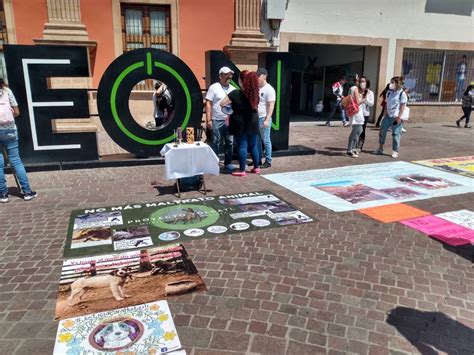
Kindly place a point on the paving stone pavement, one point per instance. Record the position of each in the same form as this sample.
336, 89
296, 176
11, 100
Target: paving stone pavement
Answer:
343, 284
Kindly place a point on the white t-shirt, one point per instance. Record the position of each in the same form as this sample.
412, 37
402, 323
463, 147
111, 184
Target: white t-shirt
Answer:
394, 100
369, 102
267, 94
358, 118
215, 94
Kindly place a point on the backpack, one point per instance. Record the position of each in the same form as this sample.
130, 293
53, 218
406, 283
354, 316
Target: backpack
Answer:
6, 111
406, 112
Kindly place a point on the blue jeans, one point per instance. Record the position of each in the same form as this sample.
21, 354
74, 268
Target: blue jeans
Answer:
220, 132
245, 143
459, 88
267, 143
387, 122
15, 161
338, 105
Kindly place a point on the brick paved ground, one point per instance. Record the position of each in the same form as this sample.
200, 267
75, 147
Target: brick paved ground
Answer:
325, 287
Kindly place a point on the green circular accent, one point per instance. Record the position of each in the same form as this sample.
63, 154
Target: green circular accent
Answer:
212, 217
113, 102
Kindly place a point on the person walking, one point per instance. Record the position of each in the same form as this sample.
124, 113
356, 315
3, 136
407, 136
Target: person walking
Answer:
461, 71
163, 106
244, 120
467, 103
356, 94
266, 105
383, 95
368, 95
337, 91
9, 141
396, 103
216, 118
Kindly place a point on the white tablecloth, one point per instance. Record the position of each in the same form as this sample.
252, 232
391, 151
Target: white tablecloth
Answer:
187, 160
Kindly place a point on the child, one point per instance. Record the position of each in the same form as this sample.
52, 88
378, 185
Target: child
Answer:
318, 109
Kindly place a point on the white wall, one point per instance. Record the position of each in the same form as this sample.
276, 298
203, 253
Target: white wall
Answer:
392, 19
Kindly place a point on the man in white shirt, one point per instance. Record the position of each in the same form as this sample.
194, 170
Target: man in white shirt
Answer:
216, 120
337, 90
266, 105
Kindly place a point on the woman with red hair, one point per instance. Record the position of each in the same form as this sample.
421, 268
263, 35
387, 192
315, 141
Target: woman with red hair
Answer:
243, 121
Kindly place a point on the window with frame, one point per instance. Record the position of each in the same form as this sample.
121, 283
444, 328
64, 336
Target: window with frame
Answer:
146, 26
437, 76
3, 40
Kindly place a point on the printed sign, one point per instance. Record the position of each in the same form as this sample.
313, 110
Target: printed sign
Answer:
459, 165
143, 329
105, 282
104, 230
362, 186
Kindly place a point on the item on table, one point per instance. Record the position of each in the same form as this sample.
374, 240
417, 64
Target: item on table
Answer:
190, 135
180, 135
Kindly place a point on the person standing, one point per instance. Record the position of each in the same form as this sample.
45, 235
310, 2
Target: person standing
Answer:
337, 91
162, 105
357, 119
318, 109
216, 119
396, 103
368, 95
383, 95
244, 120
461, 70
467, 102
9, 141
266, 105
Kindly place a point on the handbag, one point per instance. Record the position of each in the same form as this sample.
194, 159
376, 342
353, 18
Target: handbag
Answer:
351, 106
406, 113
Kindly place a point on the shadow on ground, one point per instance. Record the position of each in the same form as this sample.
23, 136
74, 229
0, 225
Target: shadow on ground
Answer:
432, 332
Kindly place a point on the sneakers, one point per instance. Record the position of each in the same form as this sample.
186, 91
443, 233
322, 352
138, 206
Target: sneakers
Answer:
467, 126
328, 124
395, 155
458, 123
239, 173
266, 165
404, 130
353, 153
378, 151
345, 124
255, 171
230, 167
4, 197
30, 195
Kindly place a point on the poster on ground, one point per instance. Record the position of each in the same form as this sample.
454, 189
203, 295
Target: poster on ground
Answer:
362, 186
103, 230
458, 165
105, 282
144, 329
441, 229
464, 218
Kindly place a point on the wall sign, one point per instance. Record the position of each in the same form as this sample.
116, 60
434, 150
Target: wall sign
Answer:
30, 67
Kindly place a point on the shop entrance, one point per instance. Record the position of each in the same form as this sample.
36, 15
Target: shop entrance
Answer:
320, 65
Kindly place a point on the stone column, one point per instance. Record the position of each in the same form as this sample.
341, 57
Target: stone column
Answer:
64, 27
64, 22
247, 40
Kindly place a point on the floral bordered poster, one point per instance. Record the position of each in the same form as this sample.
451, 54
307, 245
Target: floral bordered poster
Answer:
144, 329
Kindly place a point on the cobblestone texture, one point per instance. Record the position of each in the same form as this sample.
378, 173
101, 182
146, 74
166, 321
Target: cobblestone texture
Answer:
343, 284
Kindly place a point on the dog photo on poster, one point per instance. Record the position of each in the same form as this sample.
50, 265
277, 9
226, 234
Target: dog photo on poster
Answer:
94, 284
119, 228
143, 329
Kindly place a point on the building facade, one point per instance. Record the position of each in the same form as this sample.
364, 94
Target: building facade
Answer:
430, 42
